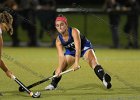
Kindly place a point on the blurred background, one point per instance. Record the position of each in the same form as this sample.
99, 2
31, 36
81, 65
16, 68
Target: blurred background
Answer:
106, 23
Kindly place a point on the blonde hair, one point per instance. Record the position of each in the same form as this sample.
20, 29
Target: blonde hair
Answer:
6, 18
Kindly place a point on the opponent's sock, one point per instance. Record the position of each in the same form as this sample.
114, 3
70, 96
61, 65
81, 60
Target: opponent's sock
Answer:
99, 71
55, 80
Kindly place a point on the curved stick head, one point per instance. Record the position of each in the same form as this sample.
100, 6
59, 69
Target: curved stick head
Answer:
21, 89
36, 95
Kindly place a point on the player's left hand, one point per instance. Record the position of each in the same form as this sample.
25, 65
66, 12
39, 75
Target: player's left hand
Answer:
75, 66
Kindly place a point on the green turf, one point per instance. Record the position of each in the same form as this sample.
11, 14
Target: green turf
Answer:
32, 64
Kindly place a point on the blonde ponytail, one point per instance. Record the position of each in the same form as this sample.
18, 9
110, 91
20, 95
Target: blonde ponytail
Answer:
6, 18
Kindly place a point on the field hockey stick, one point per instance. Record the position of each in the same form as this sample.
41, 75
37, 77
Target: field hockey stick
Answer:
46, 79
34, 95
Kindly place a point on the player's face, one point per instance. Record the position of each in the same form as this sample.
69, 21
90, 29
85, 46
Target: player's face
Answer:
61, 26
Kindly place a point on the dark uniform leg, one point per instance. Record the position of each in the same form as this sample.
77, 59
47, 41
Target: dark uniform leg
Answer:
114, 26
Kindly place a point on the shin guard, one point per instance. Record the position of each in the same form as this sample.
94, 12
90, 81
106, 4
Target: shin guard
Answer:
99, 71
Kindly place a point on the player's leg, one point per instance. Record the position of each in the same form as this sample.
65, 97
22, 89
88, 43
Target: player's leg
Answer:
56, 80
69, 60
90, 57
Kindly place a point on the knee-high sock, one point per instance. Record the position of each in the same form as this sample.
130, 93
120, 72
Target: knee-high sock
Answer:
99, 71
55, 80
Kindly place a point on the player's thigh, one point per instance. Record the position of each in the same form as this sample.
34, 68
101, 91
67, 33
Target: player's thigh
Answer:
70, 60
90, 57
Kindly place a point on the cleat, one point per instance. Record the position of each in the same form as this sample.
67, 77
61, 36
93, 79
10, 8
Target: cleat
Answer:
106, 81
49, 87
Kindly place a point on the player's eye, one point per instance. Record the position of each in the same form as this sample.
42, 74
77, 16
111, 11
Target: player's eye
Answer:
62, 24
57, 25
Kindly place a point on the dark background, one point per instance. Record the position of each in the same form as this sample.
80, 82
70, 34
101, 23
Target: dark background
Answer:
79, 2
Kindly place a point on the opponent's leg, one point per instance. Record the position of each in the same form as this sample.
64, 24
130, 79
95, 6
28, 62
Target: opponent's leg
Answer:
69, 61
90, 57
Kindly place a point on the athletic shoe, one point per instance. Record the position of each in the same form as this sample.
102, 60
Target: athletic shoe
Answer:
106, 81
49, 87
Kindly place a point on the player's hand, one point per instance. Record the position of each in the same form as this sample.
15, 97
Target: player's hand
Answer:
57, 72
75, 66
9, 74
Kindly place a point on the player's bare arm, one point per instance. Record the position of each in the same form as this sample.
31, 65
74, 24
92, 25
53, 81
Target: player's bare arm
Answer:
77, 42
61, 57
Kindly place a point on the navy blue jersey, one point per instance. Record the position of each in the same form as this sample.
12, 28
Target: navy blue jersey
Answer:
70, 46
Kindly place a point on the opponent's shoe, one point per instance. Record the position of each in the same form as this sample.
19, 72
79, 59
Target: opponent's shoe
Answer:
49, 87
106, 81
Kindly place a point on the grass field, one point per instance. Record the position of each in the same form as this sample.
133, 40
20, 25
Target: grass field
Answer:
33, 64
